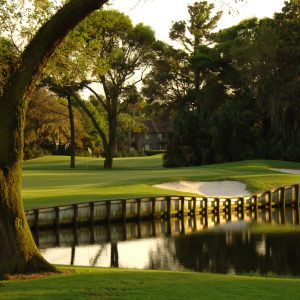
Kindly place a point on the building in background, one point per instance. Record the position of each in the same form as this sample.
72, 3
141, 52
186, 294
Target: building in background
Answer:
155, 136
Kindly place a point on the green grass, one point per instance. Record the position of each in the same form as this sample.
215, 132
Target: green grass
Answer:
48, 181
89, 283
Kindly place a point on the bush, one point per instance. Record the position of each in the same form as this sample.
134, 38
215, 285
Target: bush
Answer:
154, 152
33, 151
130, 153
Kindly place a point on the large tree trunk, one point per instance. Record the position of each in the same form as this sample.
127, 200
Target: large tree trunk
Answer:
108, 160
72, 134
18, 253
112, 144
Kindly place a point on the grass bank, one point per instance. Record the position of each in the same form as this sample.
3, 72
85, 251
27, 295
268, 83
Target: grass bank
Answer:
93, 283
49, 181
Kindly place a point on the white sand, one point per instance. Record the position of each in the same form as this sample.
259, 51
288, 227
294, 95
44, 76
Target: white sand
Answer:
289, 171
208, 189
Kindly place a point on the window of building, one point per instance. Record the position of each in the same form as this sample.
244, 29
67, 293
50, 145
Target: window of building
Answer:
146, 147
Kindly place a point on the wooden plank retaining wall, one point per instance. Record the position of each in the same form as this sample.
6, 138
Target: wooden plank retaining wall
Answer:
125, 231
159, 207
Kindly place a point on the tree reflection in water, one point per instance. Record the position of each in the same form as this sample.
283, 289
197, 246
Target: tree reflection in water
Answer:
243, 251
231, 252
114, 256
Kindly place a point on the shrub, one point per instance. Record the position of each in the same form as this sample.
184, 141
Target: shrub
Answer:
154, 152
33, 151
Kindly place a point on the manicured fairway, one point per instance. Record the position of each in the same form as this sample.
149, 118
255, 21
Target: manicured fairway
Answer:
93, 283
48, 181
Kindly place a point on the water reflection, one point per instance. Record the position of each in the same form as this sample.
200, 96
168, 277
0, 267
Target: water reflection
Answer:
249, 243
227, 252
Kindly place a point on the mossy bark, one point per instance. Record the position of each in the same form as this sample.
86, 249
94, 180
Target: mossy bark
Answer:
18, 252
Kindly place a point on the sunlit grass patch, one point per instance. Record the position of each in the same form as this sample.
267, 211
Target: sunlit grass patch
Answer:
49, 181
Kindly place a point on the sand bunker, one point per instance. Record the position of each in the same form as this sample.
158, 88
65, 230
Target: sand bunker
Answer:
289, 171
208, 189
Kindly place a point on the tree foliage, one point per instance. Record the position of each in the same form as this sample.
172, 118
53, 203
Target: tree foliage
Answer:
107, 56
247, 106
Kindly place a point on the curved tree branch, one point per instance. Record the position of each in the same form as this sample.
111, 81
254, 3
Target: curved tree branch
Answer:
90, 115
97, 96
16, 92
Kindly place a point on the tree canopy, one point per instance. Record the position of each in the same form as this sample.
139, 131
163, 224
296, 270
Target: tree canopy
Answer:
247, 103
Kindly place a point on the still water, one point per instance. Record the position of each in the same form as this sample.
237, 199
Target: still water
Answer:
265, 243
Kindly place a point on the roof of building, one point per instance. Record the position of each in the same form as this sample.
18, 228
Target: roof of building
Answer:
157, 125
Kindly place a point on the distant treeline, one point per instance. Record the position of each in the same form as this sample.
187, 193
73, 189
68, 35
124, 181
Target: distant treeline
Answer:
234, 94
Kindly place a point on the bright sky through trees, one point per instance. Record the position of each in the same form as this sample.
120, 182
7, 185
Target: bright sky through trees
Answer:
159, 14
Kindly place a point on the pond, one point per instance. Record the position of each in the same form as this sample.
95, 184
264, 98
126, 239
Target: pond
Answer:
268, 243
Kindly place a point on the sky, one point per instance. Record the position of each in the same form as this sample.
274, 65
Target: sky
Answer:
159, 14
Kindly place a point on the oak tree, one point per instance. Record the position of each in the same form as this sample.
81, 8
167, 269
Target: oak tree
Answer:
18, 252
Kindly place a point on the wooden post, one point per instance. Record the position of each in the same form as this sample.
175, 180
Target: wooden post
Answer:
282, 202
282, 197
282, 215
92, 211
75, 214
205, 216
108, 211
270, 214
217, 205
182, 219
269, 193
242, 208
139, 201
168, 206
36, 218
194, 206
205, 207
153, 200
217, 209
296, 204
228, 209
194, 223
297, 215
56, 209
182, 202
124, 206
255, 207
296, 187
